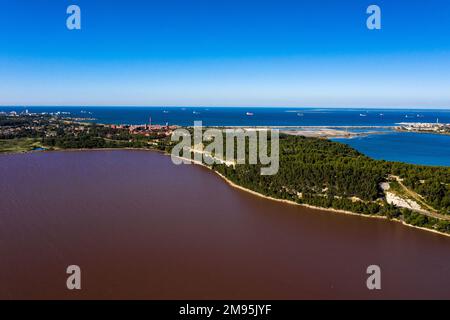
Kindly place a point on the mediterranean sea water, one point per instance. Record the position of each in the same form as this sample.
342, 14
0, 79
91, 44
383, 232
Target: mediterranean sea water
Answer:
237, 116
416, 148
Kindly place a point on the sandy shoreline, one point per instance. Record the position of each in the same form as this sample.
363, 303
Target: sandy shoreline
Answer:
234, 185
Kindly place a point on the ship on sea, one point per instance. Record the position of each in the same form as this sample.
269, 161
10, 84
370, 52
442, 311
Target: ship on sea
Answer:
250, 114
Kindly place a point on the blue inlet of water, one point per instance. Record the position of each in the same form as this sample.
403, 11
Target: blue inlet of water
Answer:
416, 148
426, 149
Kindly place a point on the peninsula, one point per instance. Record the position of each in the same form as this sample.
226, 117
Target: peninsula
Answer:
313, 171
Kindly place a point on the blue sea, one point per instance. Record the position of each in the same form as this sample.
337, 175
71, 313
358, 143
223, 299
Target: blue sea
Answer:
426, 149
226, 116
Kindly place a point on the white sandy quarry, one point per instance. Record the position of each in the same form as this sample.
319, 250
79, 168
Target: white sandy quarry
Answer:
392, 198
400, 202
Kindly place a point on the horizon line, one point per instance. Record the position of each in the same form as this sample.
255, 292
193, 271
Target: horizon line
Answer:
217, 106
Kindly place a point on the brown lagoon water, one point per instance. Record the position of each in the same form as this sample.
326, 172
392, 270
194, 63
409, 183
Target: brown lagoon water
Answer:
140, 227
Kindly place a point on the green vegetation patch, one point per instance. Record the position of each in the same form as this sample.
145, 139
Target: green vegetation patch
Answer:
19, 145
332, 175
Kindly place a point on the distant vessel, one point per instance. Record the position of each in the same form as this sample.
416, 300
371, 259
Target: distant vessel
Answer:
362, 115
300, 114
250, 114
195, 112
165, 111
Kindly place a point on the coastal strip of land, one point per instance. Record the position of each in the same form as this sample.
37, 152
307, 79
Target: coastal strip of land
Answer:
352, 131
326, 132
241, 188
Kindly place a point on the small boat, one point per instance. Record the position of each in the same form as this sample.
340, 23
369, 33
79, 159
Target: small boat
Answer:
195, 112
362, 115
165, 111
250, 114
300, 114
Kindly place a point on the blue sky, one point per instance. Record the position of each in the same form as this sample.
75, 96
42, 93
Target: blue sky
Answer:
225, 53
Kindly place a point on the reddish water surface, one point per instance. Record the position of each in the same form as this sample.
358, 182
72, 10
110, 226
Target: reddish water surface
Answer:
140, 227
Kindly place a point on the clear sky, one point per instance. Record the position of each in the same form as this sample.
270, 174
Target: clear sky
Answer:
225, 53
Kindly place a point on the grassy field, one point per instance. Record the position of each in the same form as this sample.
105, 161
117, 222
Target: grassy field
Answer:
19, 145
